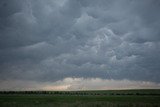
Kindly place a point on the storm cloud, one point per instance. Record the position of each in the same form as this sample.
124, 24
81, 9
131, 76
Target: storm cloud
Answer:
50, 40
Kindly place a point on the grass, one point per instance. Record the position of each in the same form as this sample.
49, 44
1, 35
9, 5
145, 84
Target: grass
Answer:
114, 98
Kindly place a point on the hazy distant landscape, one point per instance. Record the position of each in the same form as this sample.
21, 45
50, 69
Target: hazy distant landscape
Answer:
110, 98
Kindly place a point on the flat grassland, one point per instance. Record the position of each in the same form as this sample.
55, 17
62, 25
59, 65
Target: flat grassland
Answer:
110, 98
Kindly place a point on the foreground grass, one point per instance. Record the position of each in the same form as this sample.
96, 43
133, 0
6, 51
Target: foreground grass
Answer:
96, 99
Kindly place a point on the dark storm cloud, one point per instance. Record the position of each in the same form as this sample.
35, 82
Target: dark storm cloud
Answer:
48, 40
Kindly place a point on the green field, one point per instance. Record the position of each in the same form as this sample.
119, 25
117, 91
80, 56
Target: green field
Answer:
113, 98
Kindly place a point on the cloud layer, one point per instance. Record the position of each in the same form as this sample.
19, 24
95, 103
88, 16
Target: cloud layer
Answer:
72, 84
49, 40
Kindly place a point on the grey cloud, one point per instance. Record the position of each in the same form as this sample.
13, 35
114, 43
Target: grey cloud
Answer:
51, 40
77, 84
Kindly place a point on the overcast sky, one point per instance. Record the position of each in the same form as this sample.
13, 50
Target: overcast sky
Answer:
90, 41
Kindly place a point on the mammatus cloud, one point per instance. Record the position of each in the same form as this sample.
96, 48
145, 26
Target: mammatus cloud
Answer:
47, 41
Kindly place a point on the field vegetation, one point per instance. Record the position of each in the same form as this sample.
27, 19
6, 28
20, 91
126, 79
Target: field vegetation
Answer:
110, 98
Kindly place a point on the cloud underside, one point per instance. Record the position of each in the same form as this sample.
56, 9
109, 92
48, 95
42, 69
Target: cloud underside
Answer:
72, 84
49, 40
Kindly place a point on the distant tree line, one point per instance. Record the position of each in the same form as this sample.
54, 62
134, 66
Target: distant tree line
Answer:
78, 93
